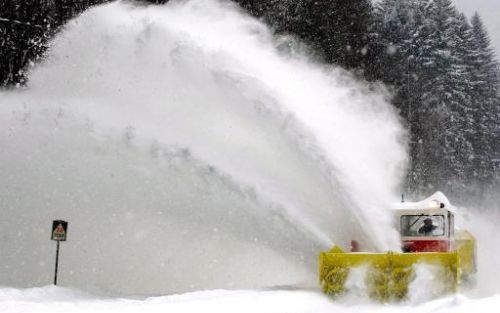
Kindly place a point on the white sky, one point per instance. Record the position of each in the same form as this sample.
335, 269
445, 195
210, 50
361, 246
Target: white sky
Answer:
489, 10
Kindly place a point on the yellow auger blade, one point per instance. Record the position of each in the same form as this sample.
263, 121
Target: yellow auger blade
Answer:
388, 275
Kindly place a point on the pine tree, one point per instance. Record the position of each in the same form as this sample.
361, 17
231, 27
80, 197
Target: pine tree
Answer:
447, 100
485, 81
426, 64
280, 15
403, 32
338, 30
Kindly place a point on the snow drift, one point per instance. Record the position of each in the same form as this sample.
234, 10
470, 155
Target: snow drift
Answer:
188, 151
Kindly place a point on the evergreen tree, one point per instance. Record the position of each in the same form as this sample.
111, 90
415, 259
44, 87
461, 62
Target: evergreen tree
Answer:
280, 15
338, 30
485, 81
404, 35
468, 111
426, 63
446, 100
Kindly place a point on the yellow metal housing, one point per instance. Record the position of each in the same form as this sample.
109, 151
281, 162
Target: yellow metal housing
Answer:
389, 274
466, 247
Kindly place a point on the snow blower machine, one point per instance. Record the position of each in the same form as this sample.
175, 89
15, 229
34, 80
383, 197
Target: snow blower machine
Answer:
428, 238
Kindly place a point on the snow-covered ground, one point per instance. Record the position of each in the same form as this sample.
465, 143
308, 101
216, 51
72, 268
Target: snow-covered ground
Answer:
52, 299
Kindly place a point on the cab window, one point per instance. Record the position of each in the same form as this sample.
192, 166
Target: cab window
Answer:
422, 225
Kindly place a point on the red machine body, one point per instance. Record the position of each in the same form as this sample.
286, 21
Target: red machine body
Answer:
426, 245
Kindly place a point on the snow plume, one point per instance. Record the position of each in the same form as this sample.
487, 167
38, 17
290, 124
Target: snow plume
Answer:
481, 222
188, 152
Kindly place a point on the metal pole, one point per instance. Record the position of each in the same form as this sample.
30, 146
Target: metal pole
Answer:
57, 263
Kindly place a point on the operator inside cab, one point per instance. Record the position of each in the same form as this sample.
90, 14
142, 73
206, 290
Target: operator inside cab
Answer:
427, 228
422, 225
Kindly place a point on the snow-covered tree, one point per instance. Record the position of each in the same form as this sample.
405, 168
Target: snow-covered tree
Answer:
337, 31
428, 60
446, 101
485, 89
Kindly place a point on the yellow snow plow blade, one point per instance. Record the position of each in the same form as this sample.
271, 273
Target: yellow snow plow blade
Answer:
466, 247
388, 275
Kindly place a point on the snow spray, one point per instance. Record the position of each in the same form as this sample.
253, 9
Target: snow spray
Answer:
190, 150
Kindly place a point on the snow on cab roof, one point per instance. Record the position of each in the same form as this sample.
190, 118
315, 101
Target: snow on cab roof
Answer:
428, 203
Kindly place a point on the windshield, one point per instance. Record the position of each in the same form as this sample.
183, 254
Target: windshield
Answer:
422, 225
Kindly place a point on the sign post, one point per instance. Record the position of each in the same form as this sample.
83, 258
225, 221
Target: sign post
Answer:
59, 233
